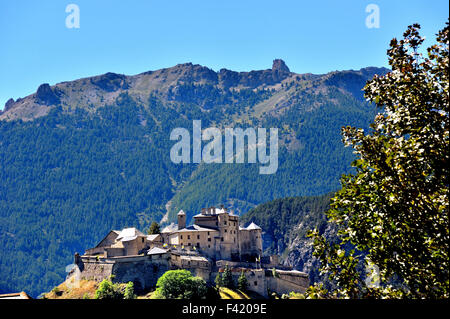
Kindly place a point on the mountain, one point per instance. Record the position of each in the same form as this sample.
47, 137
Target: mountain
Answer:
82, 157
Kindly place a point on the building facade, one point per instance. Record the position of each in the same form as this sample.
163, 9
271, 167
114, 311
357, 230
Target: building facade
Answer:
216, 234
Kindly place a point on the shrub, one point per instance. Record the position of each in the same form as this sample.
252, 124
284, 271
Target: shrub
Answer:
129, 291
180, 284
108, 290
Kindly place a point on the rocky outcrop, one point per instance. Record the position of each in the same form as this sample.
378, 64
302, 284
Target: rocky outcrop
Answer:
198, 73
280, 71
110, 82
253, 79
301, 258
45, 95
9, 104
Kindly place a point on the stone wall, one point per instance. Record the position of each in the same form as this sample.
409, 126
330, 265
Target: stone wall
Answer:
94, 268
143, 271
287, 281
255, 277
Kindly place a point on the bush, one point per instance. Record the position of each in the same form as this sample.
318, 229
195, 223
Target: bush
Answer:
129, 291
198, 289
180, 284
108, 290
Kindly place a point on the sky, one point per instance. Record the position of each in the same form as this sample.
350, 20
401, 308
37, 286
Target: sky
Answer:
129, 37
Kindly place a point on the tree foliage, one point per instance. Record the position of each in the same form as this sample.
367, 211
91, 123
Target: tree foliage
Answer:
242, 282
227, 278
395, 208
180, 284
108, 290
154, 229
218, 280
129, 291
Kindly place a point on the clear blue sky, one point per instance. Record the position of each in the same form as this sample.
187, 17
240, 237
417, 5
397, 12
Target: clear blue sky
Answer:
131, 37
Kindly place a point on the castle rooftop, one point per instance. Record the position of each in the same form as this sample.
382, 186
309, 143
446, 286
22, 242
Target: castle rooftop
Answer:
129, 234
252, 226
157, 251
196, 228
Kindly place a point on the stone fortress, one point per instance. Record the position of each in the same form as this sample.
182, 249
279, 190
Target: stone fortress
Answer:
213, 241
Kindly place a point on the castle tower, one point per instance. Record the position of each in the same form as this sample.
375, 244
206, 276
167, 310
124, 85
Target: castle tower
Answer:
181, 219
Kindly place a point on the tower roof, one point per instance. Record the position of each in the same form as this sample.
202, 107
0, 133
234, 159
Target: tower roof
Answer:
252, 226
181, 212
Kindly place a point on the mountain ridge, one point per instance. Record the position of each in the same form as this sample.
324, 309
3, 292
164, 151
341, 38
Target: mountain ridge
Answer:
103, 89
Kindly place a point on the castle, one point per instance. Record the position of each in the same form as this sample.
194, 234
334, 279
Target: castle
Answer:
214, 240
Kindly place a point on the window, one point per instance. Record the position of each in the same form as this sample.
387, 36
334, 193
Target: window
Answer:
221, 239
189, 236
209, 239
181, 236
198, 245
224, 222
225, 230
143, 239
256, 283
198, 236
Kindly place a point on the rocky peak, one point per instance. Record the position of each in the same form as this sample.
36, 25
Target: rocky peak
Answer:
279, 66
110, 82
45, 95
8, 105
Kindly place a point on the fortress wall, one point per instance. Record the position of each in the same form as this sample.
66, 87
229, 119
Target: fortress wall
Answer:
281, 286
114, 252
144, 273
287, 281
92, 269
205, 274
294, 277
256, 279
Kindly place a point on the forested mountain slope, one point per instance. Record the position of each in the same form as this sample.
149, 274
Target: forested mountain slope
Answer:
82, 157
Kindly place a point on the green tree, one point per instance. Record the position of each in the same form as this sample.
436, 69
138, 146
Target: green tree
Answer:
180, 284
395, 208
129, 291
242, 282
198, 289
154, 229
227, 278
218, 280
